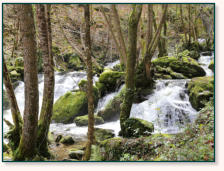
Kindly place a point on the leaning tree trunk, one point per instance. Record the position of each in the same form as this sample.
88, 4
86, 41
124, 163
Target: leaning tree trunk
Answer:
153, 44
130, 67
120, 36
15, 131
89, 84
27, 146
44, 24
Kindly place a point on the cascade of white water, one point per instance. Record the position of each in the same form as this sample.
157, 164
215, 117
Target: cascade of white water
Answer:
168, 107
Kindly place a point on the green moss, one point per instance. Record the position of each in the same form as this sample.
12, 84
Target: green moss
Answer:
134, 127
111, 80
201, 89
19, 62
83, 120
103, 134
112, 109
68, 140
69, 106
177, 68
211, 65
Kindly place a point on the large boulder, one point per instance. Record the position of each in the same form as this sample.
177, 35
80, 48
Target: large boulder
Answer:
76, 154
68, 140
135, 127
69, 106
83, 120
109, 81
103, 134
112, 109
176, 68
201, 89
73, 104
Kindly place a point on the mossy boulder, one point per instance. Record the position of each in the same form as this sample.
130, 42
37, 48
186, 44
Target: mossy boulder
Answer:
83, 120
211, 65
76, 154
201, 89
111, 149
6, 103
67, 140
177, 67
69, 106
19, 62
135, 127
112, 109
103, 134
109, 81
73, 104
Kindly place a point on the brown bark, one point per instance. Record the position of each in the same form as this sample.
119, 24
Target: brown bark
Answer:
44, 24
131, 62
152, 47
112, 33
16, 116
120, 36
89, 84
182, 22
27, 146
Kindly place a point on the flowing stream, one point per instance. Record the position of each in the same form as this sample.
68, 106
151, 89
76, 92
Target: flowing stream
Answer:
168, 107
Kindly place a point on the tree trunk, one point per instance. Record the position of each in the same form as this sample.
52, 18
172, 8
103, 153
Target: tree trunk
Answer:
182, 23
131, 61
162, 40
27, 146
112, 34
152, 47
189, 24
89, 84
44, 24
14, 133
117, 26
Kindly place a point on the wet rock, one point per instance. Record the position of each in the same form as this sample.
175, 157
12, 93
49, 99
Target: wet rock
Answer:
112, 109
109, 81
201, 89
135, 127
208, 53
68, 140
58, 138
103, 134
78, 154
71, 105
176, 67
83, 120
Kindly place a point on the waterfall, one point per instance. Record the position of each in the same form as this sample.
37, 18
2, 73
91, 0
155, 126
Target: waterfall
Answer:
204, 61
168, 107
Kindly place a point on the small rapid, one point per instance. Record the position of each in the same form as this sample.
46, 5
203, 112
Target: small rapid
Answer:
168, 107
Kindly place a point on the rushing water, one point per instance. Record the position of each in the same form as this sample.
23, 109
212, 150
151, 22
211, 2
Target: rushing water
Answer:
168, 107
